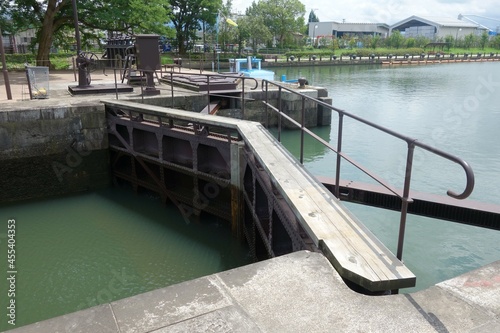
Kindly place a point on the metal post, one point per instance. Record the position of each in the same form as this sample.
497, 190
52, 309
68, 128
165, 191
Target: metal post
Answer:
243, 100
302, 130
405, 199
339, 157
279, 114
172, 86
82, 72
74, 67
217, 39
208, 93
4, 69
237, 200
116, 83
267, 111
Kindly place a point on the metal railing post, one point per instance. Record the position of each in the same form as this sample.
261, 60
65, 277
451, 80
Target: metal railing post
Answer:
279, 114
172, 86
405, 199
267, 109
243, 100
208, 93
302, 122
339, 156
116, 83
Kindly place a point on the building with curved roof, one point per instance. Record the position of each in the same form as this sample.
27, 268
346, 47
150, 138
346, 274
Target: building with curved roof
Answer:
436, 27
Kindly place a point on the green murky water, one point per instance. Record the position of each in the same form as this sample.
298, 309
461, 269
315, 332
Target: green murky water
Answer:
79, 251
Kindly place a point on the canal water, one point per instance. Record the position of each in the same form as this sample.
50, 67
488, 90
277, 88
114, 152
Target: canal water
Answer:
83, 250
454, 107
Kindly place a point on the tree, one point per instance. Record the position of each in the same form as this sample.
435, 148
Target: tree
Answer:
495, 42
312, 18
252, 28
188, 15
374, 41
484, 39
396, 39
51, 17
421, 41
283, 18
228, 34
469, 40
450, 40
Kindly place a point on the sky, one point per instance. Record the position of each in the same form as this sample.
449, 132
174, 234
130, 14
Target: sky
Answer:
390, 11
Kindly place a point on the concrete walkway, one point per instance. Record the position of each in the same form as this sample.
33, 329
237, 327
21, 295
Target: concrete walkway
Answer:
60, 80
299, 292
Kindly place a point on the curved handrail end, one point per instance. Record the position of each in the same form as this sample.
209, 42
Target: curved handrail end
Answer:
470, 183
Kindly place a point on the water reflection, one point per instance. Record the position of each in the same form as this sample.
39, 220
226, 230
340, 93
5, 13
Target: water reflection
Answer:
314, 149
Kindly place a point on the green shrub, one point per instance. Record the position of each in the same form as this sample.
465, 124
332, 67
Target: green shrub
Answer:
58, 61
383, 52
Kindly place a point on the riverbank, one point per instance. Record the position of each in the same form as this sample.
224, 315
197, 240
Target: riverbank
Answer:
59, 80
272, 61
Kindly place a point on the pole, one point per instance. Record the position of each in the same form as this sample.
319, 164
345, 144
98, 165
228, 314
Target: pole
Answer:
77, 30
82, 73
4, 68
217, 40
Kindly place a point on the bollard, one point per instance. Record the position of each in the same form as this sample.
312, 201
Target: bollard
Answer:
302, 82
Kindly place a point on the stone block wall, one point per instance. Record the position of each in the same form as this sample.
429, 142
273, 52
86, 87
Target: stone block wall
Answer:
48, 150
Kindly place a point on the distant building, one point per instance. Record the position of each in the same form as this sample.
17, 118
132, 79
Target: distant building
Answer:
20, 42
436, 27
491, 24
336, 29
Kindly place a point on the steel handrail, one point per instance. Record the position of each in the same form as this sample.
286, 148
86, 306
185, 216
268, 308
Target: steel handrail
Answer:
411, 142
211, 75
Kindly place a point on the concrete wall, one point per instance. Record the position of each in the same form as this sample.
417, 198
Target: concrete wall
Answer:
50, 150
456, 32
194, 102
291, 105
255, 110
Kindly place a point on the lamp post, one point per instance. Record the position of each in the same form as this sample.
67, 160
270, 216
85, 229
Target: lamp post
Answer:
314, 34
456, 36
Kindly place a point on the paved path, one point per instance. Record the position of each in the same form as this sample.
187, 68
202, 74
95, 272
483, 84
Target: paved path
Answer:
298, 292
60, 80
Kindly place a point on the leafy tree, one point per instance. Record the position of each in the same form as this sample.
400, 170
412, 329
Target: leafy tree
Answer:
252, 28
421, 41
469, 41
188, 15
228, 34
283, 18
374, 41
448, 39
396, 39
484, 39
312, 18
52, 17
352, 42
495, 42
410, 42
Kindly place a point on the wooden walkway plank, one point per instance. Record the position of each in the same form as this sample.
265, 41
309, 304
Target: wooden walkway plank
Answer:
351, 248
